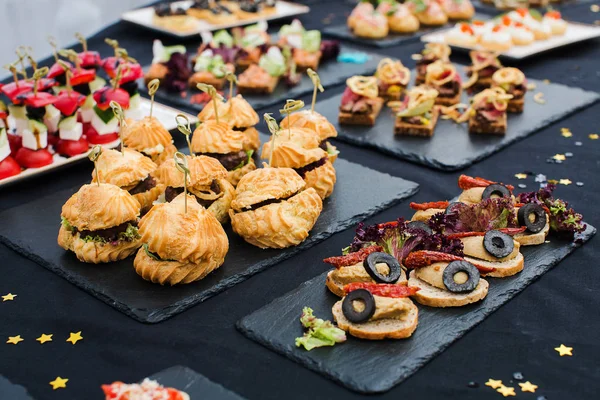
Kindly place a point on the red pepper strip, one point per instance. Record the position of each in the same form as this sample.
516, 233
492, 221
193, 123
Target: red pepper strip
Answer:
11, 90
519, 205
430, 205
103, 97
3, 115
424, 258
512, 231
82, 75
383, 289
57, 70
352, 258
468, 182
89, 59
67, 103
42, 99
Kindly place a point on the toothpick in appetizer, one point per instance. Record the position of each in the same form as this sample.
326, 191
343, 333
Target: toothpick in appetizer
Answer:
416, 115
88, 59
360, 102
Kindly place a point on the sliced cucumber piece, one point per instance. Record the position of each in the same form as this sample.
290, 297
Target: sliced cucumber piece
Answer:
68, 123
17, 112
105, 115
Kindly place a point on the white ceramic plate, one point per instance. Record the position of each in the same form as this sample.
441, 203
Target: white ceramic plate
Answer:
144, 17
576, 32
165, 114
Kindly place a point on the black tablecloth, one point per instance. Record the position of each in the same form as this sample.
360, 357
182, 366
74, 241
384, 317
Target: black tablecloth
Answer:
562, 307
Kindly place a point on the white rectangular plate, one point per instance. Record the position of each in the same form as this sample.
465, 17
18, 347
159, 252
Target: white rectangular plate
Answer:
165, 114
576, 32
144, 17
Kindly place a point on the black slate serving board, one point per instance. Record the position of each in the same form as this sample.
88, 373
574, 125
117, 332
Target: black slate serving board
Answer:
195, 385
31, 229
376, 366
331, 73
452, 148
9, 390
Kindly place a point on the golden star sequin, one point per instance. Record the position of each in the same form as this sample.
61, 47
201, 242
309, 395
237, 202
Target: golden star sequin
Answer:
521, 176
494, 384
8, 297
75, 337
565, 132
564, 350
44, 338
559, 157
528, 387
593, 136
14, 339
565, 181
594, 8
59, 383
546, 81
506, 391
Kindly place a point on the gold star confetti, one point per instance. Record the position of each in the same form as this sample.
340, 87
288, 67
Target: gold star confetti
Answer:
8, 297
506, 391
521, 176
494, 384
59, 383
594, 8
559, 157
593, 136
75, 337
564, 350
566, 132
546, 81
14, 339
553, 181
528, 387
44, 338
565, 181
531, 86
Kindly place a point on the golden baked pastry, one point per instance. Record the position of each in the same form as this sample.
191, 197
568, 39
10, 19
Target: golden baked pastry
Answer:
322, 179
271, 209
235, 175
314, 121
148, 136
99, 224
180, 247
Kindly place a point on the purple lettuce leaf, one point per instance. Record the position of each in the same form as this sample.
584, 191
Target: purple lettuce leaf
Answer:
179, 72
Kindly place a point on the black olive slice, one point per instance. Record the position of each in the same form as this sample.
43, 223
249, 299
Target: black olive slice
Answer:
420, 225
498, 244
370, 264
351, 313
461, 266
495, 189
532, 216
452, 205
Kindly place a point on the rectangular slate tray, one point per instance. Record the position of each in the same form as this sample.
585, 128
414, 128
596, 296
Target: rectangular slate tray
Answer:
384, 364
331, 73
12, 391
195, 385
31, 229
452, 148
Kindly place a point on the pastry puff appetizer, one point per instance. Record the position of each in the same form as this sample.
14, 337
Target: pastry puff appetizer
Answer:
429, 12
458, 9
272, 209
445, 280
392, 78
400, 18
360, 102
442, 76
149, 137
377, 311
182, 242
416, 115
513, 82
365, 21
494, 249
368, 265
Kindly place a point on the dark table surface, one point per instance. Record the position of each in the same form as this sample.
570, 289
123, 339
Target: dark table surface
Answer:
562, 307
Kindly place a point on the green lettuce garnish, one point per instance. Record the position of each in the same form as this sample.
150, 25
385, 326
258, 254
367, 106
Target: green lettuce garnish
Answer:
332, 150
149, 253
319, 332
222, 38
249, 153
66, 224
311, 41
130, 234
273, 62
211, 63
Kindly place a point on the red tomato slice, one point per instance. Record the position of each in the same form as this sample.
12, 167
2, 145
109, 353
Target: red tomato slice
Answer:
94, 138
89, 59
105, 95
67, 103
9, 167
57, 70
15, 142
28, 158
41, 99
82, 75
72, 148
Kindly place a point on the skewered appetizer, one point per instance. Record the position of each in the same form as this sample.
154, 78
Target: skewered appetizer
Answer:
210, 68
182, 242
442, 76
207, 183
99, 224
392, 78
365, 21
399, 17
173, 18
431, 53
513, 82
147, 389
367, 265
554, 20
484, 65
251, 40
272, 208
462, 35
488, 112
360, 102
445, 280
130, 71
417, 115
263, 78
377, 311
70, 131
131, 171
299, 149
458, 9
104, 127
8, 166
428, 12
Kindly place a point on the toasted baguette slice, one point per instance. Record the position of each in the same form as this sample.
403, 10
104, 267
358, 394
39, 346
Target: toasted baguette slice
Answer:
337, 287
532, 239
346, 118
435, 297
503, 269
425, 215
379, 329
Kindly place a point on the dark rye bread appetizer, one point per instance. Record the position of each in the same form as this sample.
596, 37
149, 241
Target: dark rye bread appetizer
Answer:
360, 102
392, 78
416, 114
513, 82
487, 112
430, 54
442, 76
483, 66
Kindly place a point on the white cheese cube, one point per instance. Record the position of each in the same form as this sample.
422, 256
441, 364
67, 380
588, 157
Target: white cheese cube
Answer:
51, 118
104, 128
74, 133
35, 142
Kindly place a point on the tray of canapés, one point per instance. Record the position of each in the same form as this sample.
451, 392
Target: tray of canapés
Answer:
518, 34
54, 116
188, 18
